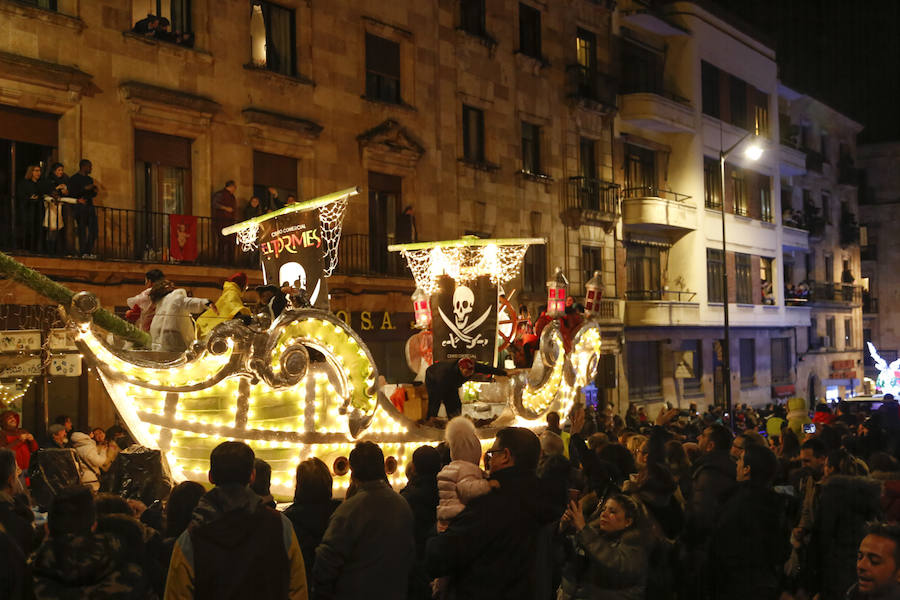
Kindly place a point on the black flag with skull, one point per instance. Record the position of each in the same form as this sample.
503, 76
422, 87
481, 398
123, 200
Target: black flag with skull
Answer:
464, 319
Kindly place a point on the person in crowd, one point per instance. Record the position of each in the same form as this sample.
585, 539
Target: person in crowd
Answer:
262, 481
823, 415
272, 299
118, 434
462, 480
554, 427
749, 542
271, 200
776, 422
884, 468
94, 454
797, 416
224, 213
83, 188
312, 508
616, 556
253, 208
369, 536
146, 26
181, 504
421, 493
235, 546
291, 199
56, 437
77, 562
443, 378
488, 551
65, 421
56, 208
140, 307
15, 580
680, 467
406, 231
15, 515
878, 564
29, 204
229, 305
163, 33
172, 329
740, 442
16, 439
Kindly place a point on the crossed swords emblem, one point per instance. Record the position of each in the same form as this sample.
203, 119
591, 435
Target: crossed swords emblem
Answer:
458, 335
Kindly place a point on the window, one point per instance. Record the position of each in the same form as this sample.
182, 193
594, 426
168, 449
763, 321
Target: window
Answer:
812, 334
848, 333
765, 200
587, 158
643, 370
761, 120
273, 39
591, 260
642, 264
530, 31
644, 71
829, 333
826, 207
382, 69
738, 98
471, 16
829, 268
473, 134
748, 361
271, 171
743, 278
739, 193
715, 267
767, 280
534, 272
385, 205
586, 50
178, 12
781, 360
823, 146
712, 183
531, 148
692, 384
640, 171
710, 82
49, 4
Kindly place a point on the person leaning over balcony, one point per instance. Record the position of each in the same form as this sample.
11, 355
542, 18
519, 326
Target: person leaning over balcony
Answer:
83, 188
140, 307
224, 212
172, 329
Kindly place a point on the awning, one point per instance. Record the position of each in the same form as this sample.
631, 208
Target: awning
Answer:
783, 391
643, 240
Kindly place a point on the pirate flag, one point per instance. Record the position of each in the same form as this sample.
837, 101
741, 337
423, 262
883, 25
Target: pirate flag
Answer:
291, 251
465, 319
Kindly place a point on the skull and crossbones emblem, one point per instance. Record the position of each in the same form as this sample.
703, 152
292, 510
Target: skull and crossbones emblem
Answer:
460, 328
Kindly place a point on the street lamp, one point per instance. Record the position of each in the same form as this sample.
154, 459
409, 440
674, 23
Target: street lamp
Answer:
753, 152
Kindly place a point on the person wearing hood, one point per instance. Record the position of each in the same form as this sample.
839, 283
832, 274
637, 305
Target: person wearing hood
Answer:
77, 562
94, 455
798, 416
312, 508
488, 550
172, 329
235, 546
16, 439
140, 307
369, 547
262, 482
421, 493
229, 305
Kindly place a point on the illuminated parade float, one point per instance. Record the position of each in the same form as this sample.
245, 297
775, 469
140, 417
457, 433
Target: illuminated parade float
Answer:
306, 384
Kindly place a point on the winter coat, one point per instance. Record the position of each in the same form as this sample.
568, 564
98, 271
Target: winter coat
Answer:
16, 519
458, 483
310, 522
12, 439
73, 567
422, 496
713, 478
228, 306
91, 458
890, 493
368, 548
234, 544
488, 551
845, 504
146, 309
172, 329
616, 569
750, 543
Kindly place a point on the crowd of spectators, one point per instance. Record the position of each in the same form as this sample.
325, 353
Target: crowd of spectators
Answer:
796, 505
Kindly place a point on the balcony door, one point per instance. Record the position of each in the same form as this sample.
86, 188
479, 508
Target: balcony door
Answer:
642, 265
640, 171
385, 204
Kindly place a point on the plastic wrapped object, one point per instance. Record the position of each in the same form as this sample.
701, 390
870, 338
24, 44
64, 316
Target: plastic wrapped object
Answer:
50, 471
138, 473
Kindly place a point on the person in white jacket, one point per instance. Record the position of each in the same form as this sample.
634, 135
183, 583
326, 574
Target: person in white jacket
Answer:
172, 329
94, 456
140, 307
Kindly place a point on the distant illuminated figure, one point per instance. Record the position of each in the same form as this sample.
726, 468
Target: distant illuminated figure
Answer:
887, 381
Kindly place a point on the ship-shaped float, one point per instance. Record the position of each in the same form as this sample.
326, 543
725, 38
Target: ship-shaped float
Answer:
306, 384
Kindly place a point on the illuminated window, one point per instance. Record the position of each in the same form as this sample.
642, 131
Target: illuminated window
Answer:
273, 37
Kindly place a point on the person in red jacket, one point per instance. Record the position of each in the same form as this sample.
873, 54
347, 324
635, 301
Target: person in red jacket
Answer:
18, 440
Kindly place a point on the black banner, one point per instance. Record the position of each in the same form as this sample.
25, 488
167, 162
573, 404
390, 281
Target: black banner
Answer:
291, 250
465, 319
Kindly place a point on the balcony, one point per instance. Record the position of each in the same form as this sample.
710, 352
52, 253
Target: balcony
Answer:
592, 89
826, 293
814, 161
611, 310
646, 14
655, 109
791, 159
592, 201
794, 238
869, 304
652, 209
360, 255
660, 308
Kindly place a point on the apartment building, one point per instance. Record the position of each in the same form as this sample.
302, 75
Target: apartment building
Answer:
827, 278
694, 85
489, 118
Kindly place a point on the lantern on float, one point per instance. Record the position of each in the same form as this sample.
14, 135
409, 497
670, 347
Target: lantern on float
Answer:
593, 291
422, 308
557, 289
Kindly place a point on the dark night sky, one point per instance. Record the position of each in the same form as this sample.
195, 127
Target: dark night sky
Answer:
843, 52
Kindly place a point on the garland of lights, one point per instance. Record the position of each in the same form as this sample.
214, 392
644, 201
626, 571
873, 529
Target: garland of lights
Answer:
464, 260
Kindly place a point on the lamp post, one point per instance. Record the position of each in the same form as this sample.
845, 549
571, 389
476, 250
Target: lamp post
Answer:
753, 152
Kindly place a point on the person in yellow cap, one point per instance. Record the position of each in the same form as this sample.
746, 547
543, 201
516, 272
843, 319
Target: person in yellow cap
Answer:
229, 305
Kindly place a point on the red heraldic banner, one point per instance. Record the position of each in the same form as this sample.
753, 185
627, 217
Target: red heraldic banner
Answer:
291, 251
183, 237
